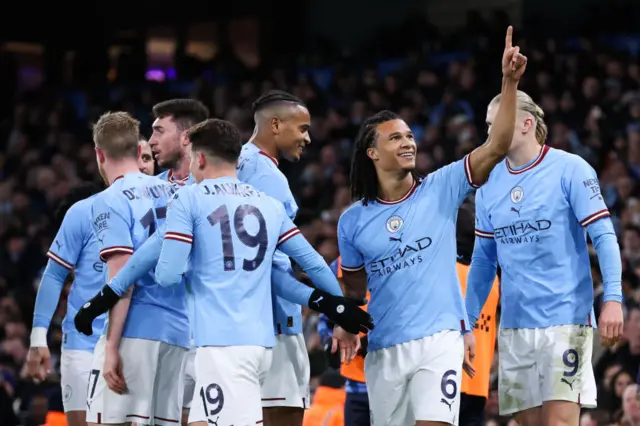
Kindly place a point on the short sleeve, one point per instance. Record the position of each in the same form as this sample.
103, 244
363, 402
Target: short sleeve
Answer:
112, 225
454, 182
67, 246
582, 188
351, 259
484, 228
179, 223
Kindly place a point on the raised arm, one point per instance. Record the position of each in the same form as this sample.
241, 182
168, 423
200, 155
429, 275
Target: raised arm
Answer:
484, 158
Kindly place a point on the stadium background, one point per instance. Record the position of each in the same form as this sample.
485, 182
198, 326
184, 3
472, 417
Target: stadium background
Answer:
433, 61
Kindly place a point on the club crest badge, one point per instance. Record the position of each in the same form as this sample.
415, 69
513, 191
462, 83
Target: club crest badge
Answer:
394, 224
517, 194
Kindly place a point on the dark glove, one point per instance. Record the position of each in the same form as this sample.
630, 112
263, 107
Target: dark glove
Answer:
95, 307
333, 359
364, 346
343, 311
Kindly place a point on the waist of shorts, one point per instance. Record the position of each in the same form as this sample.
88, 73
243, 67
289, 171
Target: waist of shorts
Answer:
514, 321
75, 341
386, 337
158, 324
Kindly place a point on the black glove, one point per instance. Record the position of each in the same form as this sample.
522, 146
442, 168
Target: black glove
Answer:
333, 359
343, 311
364, 346
98, 305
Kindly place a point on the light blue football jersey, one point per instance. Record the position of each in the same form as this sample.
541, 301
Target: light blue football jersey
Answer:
124, 216
537, 216
234, 230
408, 250
75, 247
168, 176
260, 170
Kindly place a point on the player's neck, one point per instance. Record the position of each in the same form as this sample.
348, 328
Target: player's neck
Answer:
116, 168
523, 154
219, 170
264, 143
181, 170
392, 186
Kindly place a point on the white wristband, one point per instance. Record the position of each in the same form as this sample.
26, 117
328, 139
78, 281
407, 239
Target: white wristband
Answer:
39, 337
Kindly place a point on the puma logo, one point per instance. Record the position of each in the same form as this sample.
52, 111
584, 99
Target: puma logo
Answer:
513, 209
214, 423
58, 244
317, 302
563, 380
447, 403
397, 239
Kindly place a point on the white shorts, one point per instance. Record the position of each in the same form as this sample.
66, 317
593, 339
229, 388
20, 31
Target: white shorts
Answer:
153, 372
417, 380
189, 378
228, 384
545, 364
75, 367
287, 382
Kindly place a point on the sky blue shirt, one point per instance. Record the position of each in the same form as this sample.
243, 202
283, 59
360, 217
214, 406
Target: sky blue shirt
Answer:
260, 170
124, 216
532, 220
408, 250
75, 247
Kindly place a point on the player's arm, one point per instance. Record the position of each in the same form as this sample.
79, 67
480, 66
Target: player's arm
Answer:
143, 260
344, 312
111, 221
294, 245
63, 255
581, 186
484, 158
354, 275
178, 241
484, 263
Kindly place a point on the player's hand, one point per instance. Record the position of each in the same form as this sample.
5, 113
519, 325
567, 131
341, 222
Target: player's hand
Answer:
469, 353
513, 63
348, 343
112, 371
342, 311
38, 364
610, 323
95, 307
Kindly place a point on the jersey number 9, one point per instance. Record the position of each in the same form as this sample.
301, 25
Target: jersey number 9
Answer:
259, 240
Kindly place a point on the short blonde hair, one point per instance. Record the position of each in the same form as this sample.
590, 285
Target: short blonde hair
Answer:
117, 134
526, 104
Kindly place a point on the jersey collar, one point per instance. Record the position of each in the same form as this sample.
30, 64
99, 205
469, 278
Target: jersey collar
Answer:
538, 160
275, 160
406, 196
180, 182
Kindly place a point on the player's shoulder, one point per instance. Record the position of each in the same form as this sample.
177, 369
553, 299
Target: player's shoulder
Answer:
568, 159
164, 175
353, 213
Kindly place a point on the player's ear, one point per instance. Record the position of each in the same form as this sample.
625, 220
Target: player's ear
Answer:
202, 160
527, 125
184, 138
139, 150
100, 155
373, 154
275, 125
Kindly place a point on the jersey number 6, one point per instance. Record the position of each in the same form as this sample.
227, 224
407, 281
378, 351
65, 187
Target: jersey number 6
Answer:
259, 240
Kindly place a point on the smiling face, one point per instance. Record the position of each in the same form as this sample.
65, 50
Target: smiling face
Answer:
292, 132
395, 147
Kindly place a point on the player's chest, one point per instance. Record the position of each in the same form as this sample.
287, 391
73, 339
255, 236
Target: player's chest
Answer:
526, 207
402, 232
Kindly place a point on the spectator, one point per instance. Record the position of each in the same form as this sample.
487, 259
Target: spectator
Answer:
327, 407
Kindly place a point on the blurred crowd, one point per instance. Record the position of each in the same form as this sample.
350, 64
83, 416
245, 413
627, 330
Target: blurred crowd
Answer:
590, 93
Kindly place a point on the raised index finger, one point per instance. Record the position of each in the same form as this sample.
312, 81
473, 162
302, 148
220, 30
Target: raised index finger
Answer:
507, 40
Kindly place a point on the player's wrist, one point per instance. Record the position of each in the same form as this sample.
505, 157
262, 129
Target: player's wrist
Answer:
39, 337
